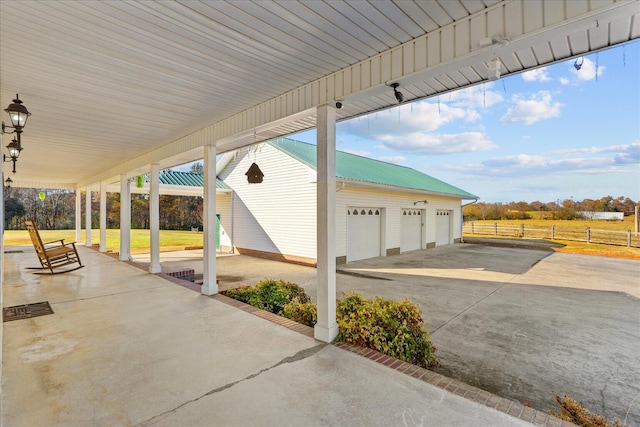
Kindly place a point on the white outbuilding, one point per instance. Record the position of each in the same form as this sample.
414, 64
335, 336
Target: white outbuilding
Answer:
382, 209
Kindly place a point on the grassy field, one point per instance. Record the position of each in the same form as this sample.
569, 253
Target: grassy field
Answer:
582, 247
627, 224
170, 240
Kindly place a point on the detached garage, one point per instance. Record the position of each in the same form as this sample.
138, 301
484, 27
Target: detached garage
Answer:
382, 209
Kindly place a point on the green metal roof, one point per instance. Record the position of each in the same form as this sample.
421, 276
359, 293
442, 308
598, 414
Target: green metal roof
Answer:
358, 168
172, 177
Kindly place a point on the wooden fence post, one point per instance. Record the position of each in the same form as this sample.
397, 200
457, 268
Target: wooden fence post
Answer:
472, 227
495, 228
629, 238
553, 232
521, 230
588, 235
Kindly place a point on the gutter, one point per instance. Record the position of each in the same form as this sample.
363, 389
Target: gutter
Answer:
462, 217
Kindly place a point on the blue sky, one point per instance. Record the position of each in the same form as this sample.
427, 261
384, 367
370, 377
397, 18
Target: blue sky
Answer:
547, 134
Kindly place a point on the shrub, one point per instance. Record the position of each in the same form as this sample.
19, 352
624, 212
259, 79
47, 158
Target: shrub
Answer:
242, 293
574, 412
305, 313
270, 295
393, 328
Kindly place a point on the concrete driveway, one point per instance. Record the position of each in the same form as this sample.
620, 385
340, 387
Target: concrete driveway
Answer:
523, 324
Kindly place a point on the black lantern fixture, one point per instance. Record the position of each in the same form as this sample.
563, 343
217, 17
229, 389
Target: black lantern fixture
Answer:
18, 114
7, 183
14, 152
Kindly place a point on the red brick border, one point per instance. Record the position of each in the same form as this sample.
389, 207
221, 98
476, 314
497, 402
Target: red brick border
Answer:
279, 320
502, 404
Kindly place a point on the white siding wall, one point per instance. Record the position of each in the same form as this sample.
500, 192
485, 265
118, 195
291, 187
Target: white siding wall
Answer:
223, 208
392, 204
278, 215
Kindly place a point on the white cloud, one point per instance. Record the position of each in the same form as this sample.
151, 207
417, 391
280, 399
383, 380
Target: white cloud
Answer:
539, 106
479, 96
626, 154
393, 159
587, 70
422, 143
537, 75
564, 81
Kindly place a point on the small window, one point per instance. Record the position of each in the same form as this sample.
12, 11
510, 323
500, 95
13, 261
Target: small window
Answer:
418, 213
404, 212
377, 212
370, 212
363, 212
355, 211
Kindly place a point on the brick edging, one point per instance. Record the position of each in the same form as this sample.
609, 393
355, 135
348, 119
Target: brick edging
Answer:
267, 315
502, 404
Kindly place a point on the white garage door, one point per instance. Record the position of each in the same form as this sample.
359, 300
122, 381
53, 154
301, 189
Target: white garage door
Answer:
443, 227
363, 231
411, 230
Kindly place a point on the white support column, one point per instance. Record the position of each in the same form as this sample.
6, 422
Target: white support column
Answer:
326, 328
103, 216
78, 215
154, 218
209, 284
87, 217
125, 218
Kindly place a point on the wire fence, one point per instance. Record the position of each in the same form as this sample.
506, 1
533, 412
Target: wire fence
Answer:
554, 232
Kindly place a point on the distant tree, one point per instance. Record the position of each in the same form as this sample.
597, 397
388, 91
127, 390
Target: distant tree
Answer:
197, 168
13, 209
538, 206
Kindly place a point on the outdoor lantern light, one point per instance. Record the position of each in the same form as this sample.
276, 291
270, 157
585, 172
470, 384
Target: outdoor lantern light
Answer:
7, 183
14, 151
18, 114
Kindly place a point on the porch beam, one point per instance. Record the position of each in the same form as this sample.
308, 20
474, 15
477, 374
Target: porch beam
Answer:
87, 216
154, 218
209, 283
78, 215
125, 218
103, 216
326, 329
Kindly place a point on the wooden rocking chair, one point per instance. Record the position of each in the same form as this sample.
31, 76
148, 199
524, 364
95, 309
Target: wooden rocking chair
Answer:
52, 254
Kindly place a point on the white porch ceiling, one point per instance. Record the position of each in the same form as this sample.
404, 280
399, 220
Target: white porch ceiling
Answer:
115, 85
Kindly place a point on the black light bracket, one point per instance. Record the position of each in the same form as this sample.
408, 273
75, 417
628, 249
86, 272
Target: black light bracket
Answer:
399, 95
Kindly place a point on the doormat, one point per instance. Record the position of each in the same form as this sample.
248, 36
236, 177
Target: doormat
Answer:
26, 311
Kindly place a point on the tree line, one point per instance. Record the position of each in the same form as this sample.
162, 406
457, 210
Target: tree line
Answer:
558, 209
55, 210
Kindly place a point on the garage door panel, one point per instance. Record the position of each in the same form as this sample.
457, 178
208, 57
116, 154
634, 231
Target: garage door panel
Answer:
443, 227
411, 225
363, 231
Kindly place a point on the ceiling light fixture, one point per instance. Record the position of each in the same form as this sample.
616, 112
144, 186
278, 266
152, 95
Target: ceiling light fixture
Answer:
399, 96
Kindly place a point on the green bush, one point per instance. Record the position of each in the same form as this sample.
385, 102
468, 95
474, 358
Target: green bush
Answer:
305, 313
242, 293
390, 327
270, 295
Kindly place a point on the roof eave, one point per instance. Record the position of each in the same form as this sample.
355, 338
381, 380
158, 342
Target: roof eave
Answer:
365, 184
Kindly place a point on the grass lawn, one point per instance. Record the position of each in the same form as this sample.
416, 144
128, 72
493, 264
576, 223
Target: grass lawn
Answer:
170, 240
581, 247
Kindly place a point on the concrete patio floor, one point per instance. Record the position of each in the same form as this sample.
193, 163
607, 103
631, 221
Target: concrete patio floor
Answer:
128, 348
523, 324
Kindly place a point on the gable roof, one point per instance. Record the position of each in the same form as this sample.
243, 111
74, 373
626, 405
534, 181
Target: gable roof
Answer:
171, 177
358, 168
